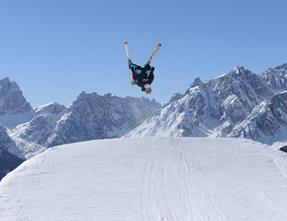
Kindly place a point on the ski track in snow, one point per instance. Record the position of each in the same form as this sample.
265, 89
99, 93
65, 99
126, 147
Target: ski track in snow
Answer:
162, 179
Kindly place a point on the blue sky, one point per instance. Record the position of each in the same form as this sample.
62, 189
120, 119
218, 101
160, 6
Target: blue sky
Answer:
54, 49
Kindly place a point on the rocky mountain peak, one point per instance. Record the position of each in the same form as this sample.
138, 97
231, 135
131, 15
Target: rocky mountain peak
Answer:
50, 108
11, 98
240, 70
282, 67
14, 109
196, 82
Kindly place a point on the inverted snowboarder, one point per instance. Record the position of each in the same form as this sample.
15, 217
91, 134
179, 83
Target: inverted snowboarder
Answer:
142, 76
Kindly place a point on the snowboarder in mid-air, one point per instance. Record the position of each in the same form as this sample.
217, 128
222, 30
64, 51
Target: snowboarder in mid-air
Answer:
142, 76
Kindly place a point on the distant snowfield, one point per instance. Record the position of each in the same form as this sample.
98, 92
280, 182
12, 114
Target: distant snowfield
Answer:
149, 179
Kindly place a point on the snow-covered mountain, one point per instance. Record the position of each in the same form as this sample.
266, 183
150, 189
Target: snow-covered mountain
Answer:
236, 104
14, 109
276, 77
267, 122
162, 179
32, 137
91, 116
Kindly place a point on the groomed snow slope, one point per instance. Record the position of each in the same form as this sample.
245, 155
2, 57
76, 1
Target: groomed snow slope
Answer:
149, 179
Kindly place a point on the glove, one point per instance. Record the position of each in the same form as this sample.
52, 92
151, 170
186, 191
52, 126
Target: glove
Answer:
133, 82
129, 62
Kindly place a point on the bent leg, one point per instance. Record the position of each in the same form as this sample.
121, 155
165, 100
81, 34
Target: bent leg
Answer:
150, 78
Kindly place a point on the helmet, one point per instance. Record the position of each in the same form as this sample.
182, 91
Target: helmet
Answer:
147, 88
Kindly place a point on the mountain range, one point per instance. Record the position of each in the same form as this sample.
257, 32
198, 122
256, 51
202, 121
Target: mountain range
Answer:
237, 104
91, 116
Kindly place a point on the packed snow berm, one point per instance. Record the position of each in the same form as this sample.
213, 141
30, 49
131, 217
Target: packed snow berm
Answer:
162, 179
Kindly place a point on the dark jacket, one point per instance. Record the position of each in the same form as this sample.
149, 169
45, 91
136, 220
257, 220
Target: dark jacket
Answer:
142, 75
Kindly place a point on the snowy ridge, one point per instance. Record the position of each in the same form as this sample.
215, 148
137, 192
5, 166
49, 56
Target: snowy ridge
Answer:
163, 179
237, 104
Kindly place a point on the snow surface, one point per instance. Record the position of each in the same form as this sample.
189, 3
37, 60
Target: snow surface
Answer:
147, 179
